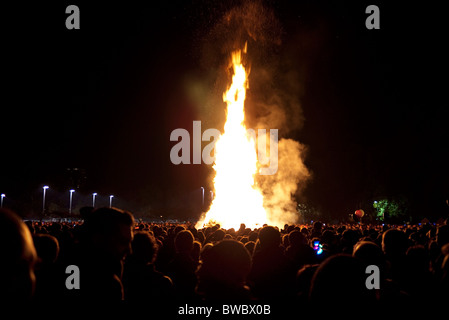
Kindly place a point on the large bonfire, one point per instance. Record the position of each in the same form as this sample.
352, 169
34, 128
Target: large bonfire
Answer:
237, 199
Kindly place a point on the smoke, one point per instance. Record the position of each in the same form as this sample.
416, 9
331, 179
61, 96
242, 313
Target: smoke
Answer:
279, 190
249, 23
276, 81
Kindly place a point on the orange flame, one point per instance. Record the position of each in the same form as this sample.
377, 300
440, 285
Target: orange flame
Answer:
237, 200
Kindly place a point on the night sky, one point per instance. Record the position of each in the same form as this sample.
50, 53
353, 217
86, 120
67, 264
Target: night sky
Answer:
105, 98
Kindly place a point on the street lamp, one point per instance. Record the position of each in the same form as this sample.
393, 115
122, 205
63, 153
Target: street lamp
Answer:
2, 196
93, 199
43, 198
110, 200
70, 205
202, 196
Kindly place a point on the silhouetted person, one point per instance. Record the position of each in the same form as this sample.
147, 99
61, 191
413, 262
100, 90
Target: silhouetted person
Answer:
167, 250
303, 282
271, 274
182, 268
299, 252
18, 259
223, 273
317, 229
252, 236
106, 242
250, 245
442, 235
241, 230
205, 250
340, 281
196, 251
218, 235
420, 282
349, 238
85, 212
443, 280
215, 235
394, 246
369, 253
49, 279
141, 281
442, 238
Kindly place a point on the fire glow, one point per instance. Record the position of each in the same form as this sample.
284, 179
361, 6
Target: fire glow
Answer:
237, 199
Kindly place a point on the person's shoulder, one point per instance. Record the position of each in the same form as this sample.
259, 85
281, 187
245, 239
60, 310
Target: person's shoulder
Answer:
280, 254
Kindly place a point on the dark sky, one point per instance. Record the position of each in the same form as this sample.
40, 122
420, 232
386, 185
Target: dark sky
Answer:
106, 97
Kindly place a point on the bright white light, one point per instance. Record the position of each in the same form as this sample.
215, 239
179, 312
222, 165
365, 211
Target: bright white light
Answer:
2, 195
110, 200
46, 187
94, 194
72, 191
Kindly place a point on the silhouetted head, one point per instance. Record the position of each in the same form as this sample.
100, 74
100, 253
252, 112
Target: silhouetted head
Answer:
297, 238
252, 236
184, 241
205, 250
18, 259
285, 240
178, 229
369, 253
224, 268
47, 247
317, 226
443, 235
250, 245
196, 250
327, 237
350, 237
144, 247
340, 279
418, 258
110, 232
269, 237
394, 243
218, 235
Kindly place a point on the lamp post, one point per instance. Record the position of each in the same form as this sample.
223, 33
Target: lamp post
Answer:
110, 200
43, 198
202, 197
93, 199
70, 205
2, 196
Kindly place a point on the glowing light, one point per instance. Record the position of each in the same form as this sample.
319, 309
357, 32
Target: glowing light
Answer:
93, 199
318, 247
236, 198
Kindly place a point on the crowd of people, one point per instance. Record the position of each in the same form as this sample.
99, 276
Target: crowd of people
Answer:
121, 258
